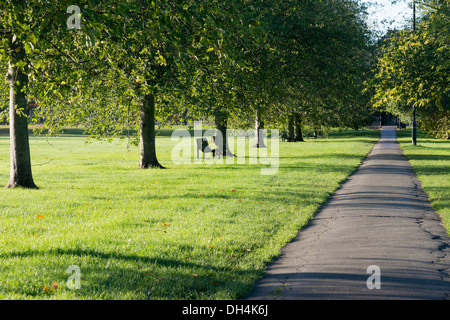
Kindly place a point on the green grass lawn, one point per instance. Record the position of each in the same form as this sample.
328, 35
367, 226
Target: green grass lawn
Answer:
187, 232
430, 159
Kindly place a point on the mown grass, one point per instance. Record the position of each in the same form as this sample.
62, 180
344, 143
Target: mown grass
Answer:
188, 232
430, 159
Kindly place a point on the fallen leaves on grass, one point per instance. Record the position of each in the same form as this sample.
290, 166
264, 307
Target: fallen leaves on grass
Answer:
53, 287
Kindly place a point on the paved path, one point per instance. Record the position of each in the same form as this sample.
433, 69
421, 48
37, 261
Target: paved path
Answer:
380, 216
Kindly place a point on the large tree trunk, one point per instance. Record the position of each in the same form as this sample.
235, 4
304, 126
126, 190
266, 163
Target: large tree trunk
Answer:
20, 170
298, 136
290, 128
147, 133
220, 121
259, 125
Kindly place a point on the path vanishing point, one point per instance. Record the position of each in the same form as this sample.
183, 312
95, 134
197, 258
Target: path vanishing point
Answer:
376, 238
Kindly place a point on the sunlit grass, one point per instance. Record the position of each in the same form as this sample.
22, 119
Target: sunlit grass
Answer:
430, 159
187, 232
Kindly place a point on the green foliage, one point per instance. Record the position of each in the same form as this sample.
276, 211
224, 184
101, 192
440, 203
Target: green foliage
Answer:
306, 57
430, 159
193, 58
137, 48
56, 60
413, 71
225, 57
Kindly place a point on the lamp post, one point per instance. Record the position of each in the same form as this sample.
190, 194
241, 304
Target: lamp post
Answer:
414, 124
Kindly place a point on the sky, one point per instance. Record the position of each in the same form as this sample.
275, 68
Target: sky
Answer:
384, 15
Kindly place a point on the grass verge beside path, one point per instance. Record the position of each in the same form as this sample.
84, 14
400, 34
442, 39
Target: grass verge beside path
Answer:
187, 232
430, 159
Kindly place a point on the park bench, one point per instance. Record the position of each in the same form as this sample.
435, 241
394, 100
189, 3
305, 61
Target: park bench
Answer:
203, 146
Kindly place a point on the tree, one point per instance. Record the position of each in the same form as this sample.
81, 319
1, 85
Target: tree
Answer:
221, 91
323, 50
35, 41
20, 174
412, 71
148, 49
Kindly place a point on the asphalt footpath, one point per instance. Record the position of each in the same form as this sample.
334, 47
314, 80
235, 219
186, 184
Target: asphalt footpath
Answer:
376, 238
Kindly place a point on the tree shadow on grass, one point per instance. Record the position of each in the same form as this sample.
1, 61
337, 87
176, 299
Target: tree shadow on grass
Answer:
139, 277
430, 157
333, 155
275, 195
432, 170
350, 139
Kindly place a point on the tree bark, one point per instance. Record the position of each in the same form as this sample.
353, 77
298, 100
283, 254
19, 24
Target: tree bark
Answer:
259, 125
148, 133
290, 128
298, 128
220, 121
20, 170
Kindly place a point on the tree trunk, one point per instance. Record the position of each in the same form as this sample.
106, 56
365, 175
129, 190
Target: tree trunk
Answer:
220, 122
20, 170
259, 125
298, 128
290, 128
147, 133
